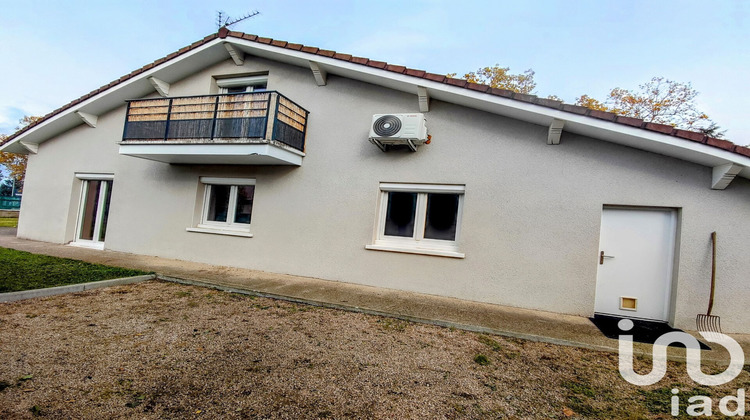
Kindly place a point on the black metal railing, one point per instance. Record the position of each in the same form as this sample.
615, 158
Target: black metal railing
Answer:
217, 118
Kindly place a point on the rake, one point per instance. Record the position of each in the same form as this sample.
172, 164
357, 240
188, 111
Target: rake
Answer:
707, 322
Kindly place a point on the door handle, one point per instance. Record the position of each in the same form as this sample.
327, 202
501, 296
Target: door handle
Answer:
602, 257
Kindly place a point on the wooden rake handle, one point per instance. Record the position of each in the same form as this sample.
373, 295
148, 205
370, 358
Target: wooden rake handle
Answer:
713, 274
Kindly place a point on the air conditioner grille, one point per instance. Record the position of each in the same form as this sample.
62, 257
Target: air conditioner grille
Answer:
387, 125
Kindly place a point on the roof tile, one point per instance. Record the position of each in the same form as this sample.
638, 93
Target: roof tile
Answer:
502, 92
415, 73
326, 53
359, 60
549, 103
250, 37
377, 64
602, 115
478, 87
311, 50
576, 109
345, 57
278, 43
722, 144
456, 82
690, 135
264, 40
633, 122
523, 97
661, 128
395, 68
743, 150
294, 46
434, 77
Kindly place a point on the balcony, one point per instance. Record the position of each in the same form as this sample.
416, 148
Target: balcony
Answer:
258, 128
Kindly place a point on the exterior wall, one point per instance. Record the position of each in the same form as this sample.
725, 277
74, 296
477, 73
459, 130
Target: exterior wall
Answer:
531, 216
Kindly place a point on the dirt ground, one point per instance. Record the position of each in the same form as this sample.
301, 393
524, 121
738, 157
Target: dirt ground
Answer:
163, 350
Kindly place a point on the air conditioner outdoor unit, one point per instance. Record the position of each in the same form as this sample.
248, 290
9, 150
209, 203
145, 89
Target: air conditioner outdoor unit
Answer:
398, 129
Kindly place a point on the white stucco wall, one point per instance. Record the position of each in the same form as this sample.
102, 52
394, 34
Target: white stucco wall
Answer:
530, 227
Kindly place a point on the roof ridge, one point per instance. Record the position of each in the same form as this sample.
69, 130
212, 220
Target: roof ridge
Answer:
223, 33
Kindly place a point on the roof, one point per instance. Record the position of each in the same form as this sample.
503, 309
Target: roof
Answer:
416, 76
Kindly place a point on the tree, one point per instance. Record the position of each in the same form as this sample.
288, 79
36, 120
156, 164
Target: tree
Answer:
660, 101
14, 163
6, 187
499, 77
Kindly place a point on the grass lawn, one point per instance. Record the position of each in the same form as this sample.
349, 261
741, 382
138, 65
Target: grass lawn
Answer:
158, 350
21, 270
8, 222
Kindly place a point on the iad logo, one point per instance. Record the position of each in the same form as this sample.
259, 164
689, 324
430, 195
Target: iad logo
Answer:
692, 347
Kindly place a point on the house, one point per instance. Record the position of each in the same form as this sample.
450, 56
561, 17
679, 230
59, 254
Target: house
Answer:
251, 152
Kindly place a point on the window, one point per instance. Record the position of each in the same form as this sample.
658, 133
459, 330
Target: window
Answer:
243, 84
419, 219
227, 206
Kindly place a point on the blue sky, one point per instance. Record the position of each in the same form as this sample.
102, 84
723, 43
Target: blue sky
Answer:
56, 51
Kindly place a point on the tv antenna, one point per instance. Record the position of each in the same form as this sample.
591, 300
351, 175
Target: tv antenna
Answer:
225, 21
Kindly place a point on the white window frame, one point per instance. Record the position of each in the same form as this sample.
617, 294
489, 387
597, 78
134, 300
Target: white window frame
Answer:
223, 228
417, 244
248, 82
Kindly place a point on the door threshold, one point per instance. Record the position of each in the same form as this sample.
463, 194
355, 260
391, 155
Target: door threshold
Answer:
91, 245
644, 331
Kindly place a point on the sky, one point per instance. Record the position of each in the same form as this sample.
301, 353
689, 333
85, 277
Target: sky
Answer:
56, 51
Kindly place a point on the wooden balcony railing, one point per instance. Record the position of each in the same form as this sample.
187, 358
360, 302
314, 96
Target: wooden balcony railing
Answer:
217, 118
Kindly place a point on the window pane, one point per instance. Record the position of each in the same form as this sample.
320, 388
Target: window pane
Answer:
218, 203
442, 213
237, 89
399, 219
90, 207
105, 215
244, 208
260, 87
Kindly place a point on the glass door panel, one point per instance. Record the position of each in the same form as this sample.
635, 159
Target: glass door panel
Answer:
95, 202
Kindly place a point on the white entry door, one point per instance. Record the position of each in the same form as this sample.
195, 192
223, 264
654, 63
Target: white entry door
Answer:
636, 254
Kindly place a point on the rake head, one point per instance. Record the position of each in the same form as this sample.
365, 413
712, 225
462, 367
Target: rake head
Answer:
708, 323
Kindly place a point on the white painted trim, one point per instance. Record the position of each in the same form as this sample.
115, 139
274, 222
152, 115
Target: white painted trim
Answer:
555, 131
31, 147
95, 176
242, 81
424, 99
82, 243
88, 119
227, 181
422, 251
723, 175
227, 232
237, 56
319, 74
162, 87
423, 188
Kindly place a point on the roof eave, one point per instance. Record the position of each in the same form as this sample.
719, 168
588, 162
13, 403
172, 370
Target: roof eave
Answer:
188, 62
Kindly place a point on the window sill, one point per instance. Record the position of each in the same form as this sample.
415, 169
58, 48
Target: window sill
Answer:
414, 250
226, 232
